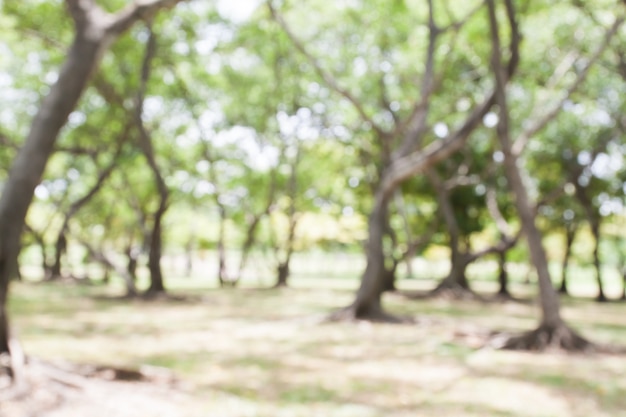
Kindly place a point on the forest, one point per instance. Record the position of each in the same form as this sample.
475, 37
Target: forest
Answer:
239, 202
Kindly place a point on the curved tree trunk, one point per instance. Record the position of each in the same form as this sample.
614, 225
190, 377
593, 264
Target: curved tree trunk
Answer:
593, 217
570, 235
157, 285
367, 304
552, 330
32, 158
456, 282
95, 30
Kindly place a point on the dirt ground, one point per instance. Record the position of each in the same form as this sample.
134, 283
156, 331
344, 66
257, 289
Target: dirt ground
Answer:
51, 389
249, 353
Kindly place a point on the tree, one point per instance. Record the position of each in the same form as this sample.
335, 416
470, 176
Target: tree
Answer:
405, 144
552, 330
95, 30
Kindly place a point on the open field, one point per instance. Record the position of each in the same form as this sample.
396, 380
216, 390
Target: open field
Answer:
255, 352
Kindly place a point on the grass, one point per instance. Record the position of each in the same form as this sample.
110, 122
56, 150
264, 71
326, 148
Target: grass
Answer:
254, 352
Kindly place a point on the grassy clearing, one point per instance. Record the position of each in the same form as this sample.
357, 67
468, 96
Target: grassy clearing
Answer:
252, 352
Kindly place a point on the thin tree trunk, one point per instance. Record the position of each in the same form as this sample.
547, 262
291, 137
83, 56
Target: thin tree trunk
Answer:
61, 243
456, 281
593, 218
45, 268
157, 285
247, 246
222, 274
60, 247
410, 253
595, 229
549, 301
552, 330
570, 234
132, 256
189, 250
292, 192
503, 275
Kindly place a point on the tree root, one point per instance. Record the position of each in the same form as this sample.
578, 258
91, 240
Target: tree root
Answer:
508, 298
454, 292
550, 337
377, 315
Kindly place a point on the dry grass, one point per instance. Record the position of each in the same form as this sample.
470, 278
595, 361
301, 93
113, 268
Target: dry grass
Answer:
253, 352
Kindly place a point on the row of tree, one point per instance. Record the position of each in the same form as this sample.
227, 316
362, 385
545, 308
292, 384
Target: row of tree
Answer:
470, 125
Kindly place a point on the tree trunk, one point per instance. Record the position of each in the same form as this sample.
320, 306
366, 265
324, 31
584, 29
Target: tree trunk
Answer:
570, 235
45, 268
549, 301
60, 247
456, 283
503, 275
132, 256
552, 330
367, 304
389, 277
61, 243
368, 299
593, 217
32, 158
595, 229
222, 274
247, 246
157, 285
95, 31
189, 257
283, 275
145, 143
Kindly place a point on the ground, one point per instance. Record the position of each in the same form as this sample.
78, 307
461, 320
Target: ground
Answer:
255, 352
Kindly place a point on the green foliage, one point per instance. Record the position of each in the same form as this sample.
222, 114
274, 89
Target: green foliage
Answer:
232, 100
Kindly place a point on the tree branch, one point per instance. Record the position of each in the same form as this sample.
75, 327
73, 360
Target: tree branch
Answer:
139, 10
415, 124
541, 122
418, 161
328, 78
